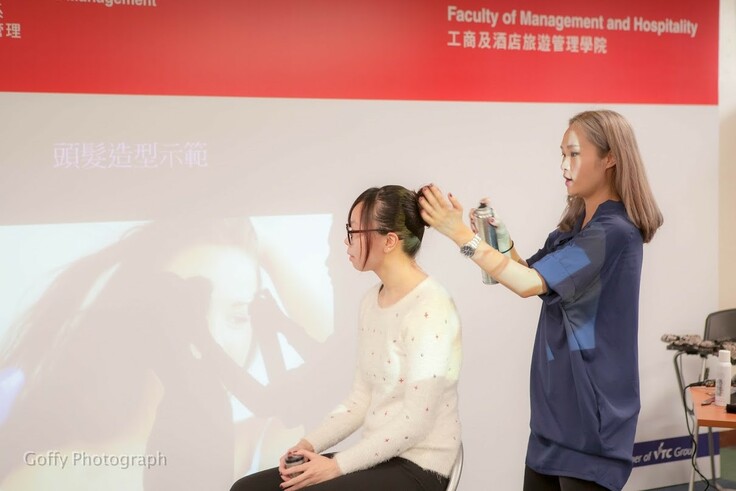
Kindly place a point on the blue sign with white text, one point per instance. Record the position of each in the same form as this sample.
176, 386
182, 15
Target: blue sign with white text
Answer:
672, 449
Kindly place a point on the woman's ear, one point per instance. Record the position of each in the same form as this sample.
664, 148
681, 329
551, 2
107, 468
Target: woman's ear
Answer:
610, 161
392, 240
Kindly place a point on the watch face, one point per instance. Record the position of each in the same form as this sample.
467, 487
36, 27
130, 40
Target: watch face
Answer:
467, 250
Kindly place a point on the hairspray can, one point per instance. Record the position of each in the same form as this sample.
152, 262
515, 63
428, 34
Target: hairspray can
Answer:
291, 461
487, 233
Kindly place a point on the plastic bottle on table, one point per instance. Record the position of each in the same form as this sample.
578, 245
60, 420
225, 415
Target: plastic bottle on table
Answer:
723, 378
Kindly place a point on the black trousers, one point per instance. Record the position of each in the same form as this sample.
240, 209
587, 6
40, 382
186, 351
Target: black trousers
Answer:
534, 481
396, 474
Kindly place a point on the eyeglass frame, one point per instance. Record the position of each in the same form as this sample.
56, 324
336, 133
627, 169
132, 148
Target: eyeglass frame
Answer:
350, 232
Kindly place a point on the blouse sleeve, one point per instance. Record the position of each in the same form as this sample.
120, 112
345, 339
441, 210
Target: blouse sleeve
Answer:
572, 268
347, 417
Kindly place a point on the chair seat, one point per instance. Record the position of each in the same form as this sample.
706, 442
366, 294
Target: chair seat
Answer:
457, 469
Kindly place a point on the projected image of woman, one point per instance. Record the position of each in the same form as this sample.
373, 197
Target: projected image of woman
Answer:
584, 374
141, 349
404, 394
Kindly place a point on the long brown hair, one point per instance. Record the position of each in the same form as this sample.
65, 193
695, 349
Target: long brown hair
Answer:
611, 133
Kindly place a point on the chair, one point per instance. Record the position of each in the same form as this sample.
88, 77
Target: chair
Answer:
457, 469
719, 326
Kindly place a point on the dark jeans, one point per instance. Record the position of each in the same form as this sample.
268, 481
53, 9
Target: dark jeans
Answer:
534, 481
396, 474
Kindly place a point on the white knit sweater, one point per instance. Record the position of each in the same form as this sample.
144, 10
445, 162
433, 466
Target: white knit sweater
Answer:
405, 390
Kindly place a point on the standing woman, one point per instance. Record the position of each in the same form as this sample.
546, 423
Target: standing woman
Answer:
404, 393
584, 374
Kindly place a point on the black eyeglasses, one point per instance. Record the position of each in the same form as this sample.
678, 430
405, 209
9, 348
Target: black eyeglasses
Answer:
351, 232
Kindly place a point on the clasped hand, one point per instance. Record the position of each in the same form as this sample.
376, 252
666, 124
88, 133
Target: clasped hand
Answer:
316, 468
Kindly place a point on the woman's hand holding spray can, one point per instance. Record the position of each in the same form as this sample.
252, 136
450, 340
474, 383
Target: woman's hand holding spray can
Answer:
486, 231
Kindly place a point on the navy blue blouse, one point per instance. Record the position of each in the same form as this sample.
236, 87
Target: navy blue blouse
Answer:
585, 372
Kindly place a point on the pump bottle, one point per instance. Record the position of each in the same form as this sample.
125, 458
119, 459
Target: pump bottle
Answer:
723, 378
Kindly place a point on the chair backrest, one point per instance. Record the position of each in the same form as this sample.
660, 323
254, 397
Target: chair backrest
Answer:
457, 469
720, 325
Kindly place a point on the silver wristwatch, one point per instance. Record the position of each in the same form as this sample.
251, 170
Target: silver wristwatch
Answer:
469, 248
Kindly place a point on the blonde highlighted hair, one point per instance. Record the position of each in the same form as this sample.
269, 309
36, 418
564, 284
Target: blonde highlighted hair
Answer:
611, 133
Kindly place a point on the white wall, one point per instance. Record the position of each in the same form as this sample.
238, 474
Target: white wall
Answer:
727, 152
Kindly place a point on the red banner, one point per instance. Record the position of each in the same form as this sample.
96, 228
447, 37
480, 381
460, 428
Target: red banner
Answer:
595, 51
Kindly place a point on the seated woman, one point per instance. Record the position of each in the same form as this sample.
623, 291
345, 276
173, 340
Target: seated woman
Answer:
404, 394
